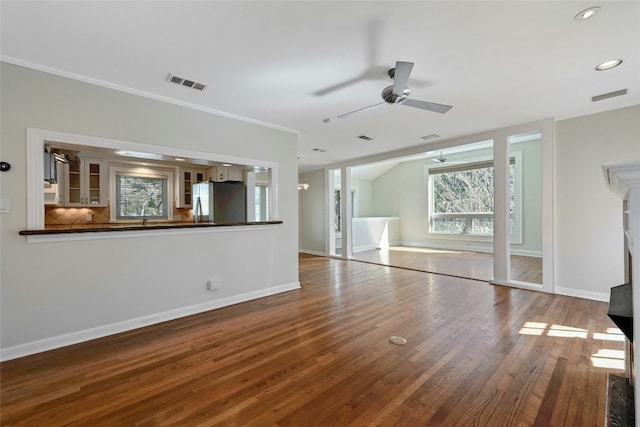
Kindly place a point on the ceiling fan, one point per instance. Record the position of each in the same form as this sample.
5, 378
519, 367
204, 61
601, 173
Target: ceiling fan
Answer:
398, 93
442, 159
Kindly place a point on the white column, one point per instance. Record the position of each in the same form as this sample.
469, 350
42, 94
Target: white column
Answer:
251, 196
330, 247
345, 206
501, 252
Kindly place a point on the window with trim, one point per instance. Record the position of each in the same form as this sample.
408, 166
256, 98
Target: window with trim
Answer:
262, 202
141, 194
461, 199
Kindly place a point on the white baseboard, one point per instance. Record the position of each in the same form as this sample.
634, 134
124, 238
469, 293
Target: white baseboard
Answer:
580, 293
364, 248
306, 251
372, 247
128, 325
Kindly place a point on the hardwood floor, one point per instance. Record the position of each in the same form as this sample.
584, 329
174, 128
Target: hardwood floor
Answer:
465, 264
477, 355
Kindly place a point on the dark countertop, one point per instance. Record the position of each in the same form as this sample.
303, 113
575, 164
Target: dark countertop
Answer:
93, 228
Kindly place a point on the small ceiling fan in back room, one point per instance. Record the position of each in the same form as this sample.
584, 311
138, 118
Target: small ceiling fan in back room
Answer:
398, 93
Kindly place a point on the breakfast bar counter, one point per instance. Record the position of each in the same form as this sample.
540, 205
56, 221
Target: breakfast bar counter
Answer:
93, 228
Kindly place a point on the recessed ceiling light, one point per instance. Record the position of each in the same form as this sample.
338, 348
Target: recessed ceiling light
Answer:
586, 14
607, 65
227, 165
180, 159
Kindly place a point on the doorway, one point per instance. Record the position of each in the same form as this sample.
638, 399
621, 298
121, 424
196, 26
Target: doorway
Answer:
507, 242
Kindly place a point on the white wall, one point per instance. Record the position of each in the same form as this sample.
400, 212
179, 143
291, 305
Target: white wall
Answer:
400, 192
365, 196
53, 293
588, 217
312, 213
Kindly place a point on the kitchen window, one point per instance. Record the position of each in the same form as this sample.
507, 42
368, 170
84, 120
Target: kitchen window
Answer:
140, 194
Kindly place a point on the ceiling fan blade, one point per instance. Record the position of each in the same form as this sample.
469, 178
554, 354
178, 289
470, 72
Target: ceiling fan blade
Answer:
373, 41
373, 71
342, 116
429, 106
339, 86
401, 77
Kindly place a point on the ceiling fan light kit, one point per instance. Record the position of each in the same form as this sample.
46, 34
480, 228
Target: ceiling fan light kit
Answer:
398, 93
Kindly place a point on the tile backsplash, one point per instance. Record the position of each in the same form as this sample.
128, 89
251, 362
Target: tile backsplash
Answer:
54, 215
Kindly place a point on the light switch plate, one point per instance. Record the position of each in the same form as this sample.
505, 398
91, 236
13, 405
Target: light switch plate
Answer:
5, 206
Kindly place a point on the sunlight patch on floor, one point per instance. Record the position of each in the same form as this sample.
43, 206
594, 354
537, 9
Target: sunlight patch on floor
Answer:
567, 332
538, 328
612, 334
607, 358
604, 358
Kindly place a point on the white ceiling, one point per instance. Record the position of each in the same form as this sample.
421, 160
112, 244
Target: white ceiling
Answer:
498, 63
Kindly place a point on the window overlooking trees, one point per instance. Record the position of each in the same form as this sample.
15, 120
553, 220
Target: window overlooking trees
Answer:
140, 193
141, 197
462, 197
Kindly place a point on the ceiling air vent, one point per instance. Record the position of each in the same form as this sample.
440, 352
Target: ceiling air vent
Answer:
608, 95
428, 137
365, 137
184, 82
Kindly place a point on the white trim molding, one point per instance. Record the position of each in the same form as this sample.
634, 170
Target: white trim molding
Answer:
38, 138
140, 322
621, 177
120, 88
581, 293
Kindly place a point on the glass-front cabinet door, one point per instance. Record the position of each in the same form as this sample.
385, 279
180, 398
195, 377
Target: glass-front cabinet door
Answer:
74, 190
95, 189
84, 183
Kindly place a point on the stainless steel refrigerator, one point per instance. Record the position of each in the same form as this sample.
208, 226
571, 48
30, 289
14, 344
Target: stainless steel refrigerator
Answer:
220, 202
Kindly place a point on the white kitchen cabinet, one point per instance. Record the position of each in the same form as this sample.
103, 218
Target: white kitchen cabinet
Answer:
235, 173
226, 173
85, 183
186, 177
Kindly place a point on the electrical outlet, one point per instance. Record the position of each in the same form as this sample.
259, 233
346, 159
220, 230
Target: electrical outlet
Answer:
213, 284
88, 217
